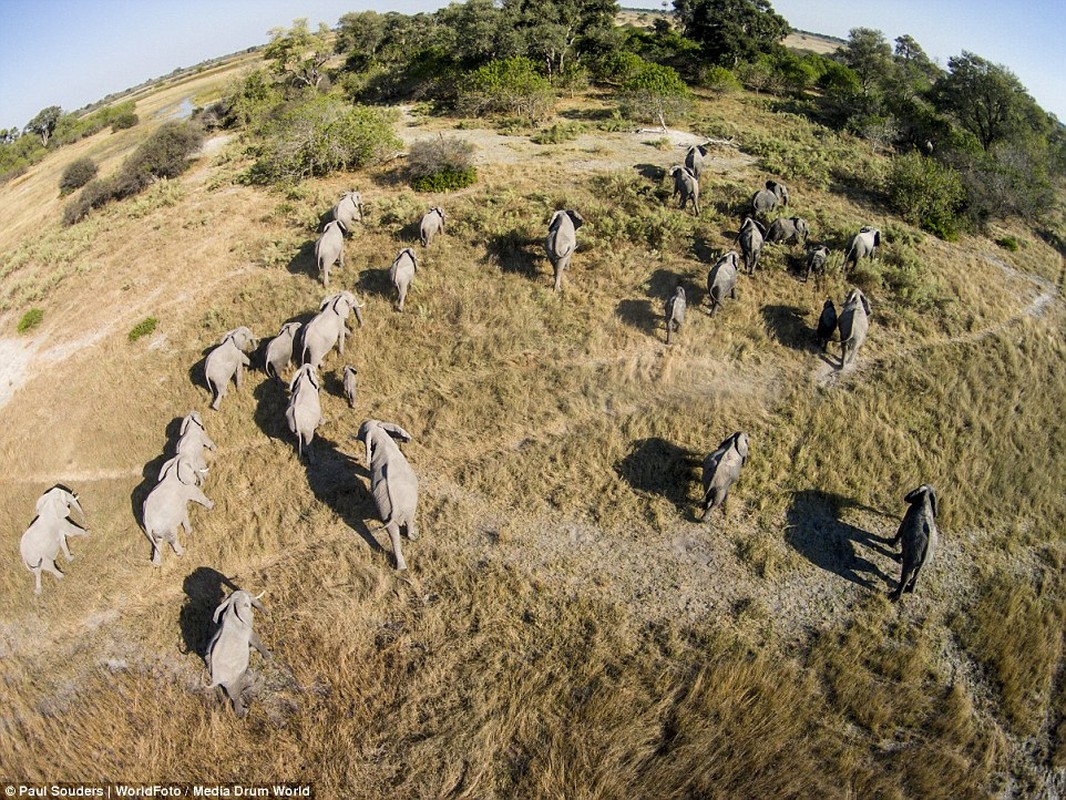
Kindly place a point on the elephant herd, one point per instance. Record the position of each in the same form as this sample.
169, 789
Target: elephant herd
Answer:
393, 483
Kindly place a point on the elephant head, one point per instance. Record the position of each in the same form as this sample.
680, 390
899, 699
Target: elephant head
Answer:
57, 502
242, 338
918, 494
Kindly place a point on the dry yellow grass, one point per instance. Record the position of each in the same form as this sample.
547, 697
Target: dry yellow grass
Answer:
567, 628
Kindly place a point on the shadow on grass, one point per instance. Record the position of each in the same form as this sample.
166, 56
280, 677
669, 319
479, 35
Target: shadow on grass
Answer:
337, 481
516, 253
786, 325
303, 263
203, 594
658, 467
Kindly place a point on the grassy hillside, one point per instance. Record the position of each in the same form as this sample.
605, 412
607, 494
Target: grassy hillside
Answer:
567, 627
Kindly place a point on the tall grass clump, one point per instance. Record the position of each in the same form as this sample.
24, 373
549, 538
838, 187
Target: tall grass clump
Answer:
441, 165
30, 320
142, 328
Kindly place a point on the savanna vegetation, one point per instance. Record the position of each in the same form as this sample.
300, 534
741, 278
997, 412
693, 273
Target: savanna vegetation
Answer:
567, 628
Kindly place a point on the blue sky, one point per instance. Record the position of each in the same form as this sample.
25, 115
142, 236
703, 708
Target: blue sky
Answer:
73, 52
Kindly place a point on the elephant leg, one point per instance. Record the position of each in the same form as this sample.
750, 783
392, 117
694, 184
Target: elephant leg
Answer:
157, 550
239, 375
65, 548
236, 692
37, 580
186, 524
558, 278
257, 643
412, 530
49, 565
394, 534
176, 546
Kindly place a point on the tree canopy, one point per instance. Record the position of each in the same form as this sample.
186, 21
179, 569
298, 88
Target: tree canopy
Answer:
731, 31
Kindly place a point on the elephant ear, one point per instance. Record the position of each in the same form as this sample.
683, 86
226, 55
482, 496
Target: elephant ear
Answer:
53, 501
222, 608
553, 223
865, 303
702, 149
877, 238
932, 500
576, 218
395, 431
312, 377
239, 603
740, 442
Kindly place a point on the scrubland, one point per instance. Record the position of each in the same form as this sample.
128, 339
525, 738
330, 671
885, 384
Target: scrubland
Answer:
567, 627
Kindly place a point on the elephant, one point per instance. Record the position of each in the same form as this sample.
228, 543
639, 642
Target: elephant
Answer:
329, 250
675, 312
722, 280
48, 532
227, 361
687, 186
327, 327
165, 510
918, 535
562, 241
721, 470
227, 652
350, 373
862, 244
392, 481
279, 350
304, 413
827, 324
402, 273
766, 200
193, 440
432, 224
349, 209
694, 159
751, 239
817, 258
186, 467
853, 322
788, 230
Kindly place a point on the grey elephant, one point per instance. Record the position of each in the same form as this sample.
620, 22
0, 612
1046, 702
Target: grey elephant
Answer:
48, 532
827, 323
227, 652
193, 440
165, 509
562, 241
675, 312
788, 230
722, 281
187, 468
686, 186
766, 200
721, 469
304, 413
350, 384
863, 244
392, 481
279, 350
402, 273
227, 361
349, 210
694, 159
918, 535
853, 322
327, 327
329, 250
750, 239
432, 224
817, 258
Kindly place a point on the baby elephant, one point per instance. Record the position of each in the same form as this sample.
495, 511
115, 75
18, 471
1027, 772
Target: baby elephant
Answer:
918, 535
227, 652
349, 209
817, 257
279, 350
721, 469
350, 387
562, 241
48, 533
791, 230
226, 362
432, 224
402, 273
329, 250
675, 312
750, 239
687, 186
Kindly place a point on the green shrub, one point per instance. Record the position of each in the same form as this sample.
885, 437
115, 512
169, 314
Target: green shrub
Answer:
441, 165
446, 180
655, 94
30, 320
126, 119
1008, 243
507, 86
559, 133
926, 193
720, 80
77, 174
142, 328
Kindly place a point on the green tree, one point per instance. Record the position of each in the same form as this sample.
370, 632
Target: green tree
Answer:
298, 53
510, 85
553, 31
915, 71
44, 123
869, 54
655, 93
359, 37
731, 31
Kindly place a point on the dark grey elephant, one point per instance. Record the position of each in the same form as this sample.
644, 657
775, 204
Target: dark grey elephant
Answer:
853, 322
432, 224
402, 273
327, 328
227, 652
827, 324
788, 230
918, 535
349, 210
675, 312
329, 250
863, 244
227, 362
721, 469
304, 412
694, 159
687, 187
722, 281
562, 241
47, 534
766, 200
392, 481
817, 258
750, 239
279, 350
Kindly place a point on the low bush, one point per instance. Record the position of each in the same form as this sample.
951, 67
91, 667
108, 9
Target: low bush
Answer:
77, 174
30, 320
126, 119
441, 165
507, 86
559, 133
926, 193
1008, 243
142, 328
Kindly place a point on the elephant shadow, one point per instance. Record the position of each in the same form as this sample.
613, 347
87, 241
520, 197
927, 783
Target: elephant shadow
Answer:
410, 234
786, 325
702, 250
640, 314
336, 480
513, 252
198, 370
150, 472
658, 467
651, 172
333, 381
375, 282
304, 263
203, 594
816, 532
271, 402
646, 314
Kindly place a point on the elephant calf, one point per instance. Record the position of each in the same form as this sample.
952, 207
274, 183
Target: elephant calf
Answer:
675, 312
827, 324
350, 387
562, 242
853, 322
863, 244
687, 187
227, 361
329, 250
722, 281
349, 209
765, 200
918, 534
304, 413
791, 230
721, 469
193, 440
402, 273
817, 258
432, 224
751, 239
392, 481
279, 350
227, 652
48, 533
